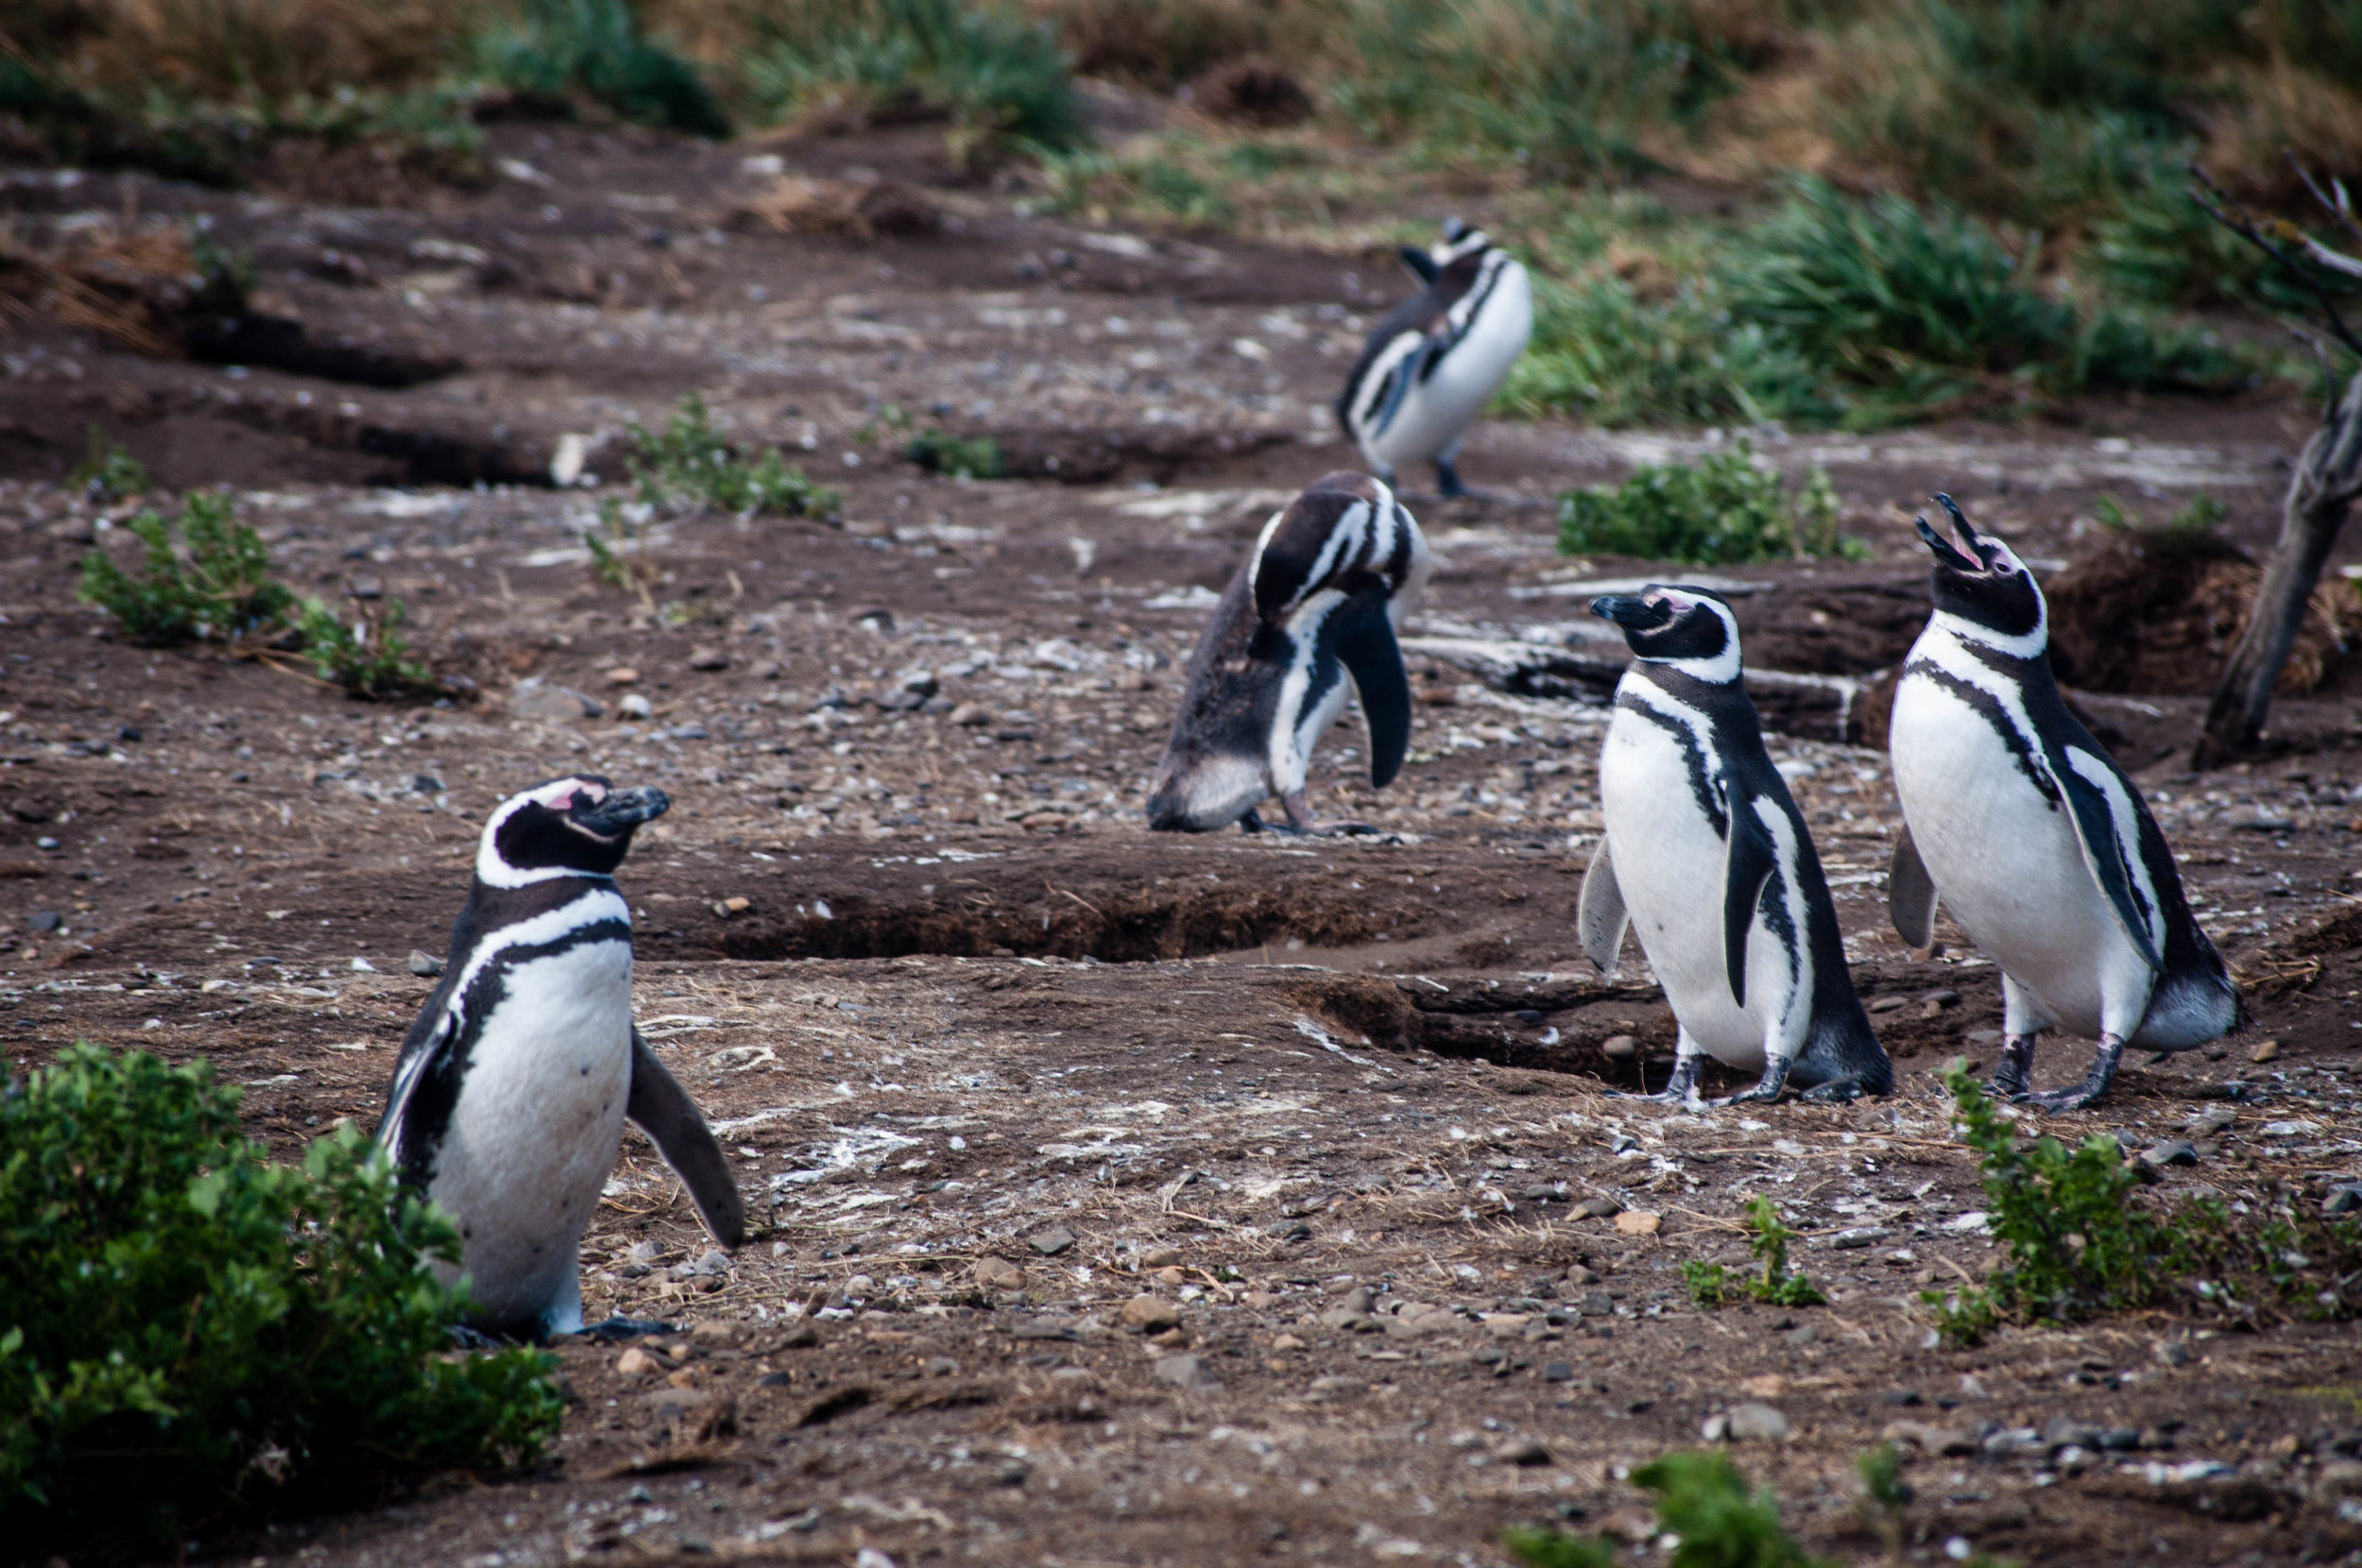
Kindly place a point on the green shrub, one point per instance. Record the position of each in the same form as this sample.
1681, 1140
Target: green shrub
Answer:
1723, 510
969, 457
1711, 1284
108, 474
595, 47
221, 591
198, 1335
1703, 1502
999, 77
369, 658
689, 460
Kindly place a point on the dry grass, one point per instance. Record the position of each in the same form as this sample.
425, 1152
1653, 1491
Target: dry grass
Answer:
268, 51
126, 284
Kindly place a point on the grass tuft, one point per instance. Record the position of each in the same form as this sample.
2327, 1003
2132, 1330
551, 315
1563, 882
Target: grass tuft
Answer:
1703, 1508
107, 473
559, 48
1711, 1284
214, 587
1723, 510
690, 462
368, 656
962, 457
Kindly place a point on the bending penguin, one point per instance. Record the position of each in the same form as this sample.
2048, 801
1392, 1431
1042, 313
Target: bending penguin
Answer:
509, 1100
1756, 977
2028, 832
1430, 368
1320, 598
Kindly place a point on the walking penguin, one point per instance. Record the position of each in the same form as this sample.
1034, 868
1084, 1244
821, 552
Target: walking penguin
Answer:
2034, 839
1694, 808
1431, 365
509, 1100
1319, 599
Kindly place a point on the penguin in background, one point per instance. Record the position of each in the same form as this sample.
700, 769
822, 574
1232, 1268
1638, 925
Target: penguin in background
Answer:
2023, 827
1429, 369
1321, 597
1706, 855
509, 1099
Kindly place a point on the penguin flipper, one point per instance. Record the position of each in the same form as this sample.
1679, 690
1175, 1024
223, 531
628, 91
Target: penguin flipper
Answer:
1749, 863
1911, 893
1366, 647
1419, 262
2084, 779
659, 1107
1599, 914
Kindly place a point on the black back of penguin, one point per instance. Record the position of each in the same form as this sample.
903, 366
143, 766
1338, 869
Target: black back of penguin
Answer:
1689, 652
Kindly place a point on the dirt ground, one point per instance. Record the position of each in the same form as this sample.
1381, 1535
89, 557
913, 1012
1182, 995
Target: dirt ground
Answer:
997, 1062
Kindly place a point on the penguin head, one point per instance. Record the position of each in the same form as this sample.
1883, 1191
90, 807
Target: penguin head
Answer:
1460, 241
1982, 582
1345, 533
579, 826
1689, 629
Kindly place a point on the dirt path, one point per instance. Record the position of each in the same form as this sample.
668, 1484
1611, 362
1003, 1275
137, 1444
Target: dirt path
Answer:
970, 1010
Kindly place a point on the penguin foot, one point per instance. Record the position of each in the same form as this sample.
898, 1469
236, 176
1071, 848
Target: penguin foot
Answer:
1681, 1089
1447, 484
629, 1328
1253, 822
2102, 1074
464, 1338
2012, 1074
1836, 1091
1767, 1090
1300, 821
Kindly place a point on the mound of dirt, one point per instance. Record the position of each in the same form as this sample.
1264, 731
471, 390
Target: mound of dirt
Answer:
2157, 614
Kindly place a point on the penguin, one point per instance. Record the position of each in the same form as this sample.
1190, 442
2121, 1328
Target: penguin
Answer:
1756, 977
1429, 369
1321, 597
2028, 832
509, 1098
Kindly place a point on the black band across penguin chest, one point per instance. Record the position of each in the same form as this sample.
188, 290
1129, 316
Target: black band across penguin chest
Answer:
2025, 750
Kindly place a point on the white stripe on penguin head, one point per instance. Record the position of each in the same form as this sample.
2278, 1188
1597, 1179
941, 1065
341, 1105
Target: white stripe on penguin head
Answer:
1722, 667
492, 871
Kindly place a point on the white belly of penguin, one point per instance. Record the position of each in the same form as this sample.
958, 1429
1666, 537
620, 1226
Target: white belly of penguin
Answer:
1437, 412
536, 1129
2006, 862
1670, 865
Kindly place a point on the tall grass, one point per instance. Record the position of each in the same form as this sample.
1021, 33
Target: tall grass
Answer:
559, 48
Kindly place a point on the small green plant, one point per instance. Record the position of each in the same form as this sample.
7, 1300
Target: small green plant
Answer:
595, 48
108, 474
1711, 1284
1884, 1494
198, 1336
219, 590
368, 656
2078, 1244
690, 460
1723, 510
962, 457
1703, 1502
2196, 520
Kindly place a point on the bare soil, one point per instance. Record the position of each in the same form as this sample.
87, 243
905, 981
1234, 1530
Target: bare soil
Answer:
969, 1010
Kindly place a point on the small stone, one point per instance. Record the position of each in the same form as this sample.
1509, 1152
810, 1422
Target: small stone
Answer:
634, 706
425, 964
2171, 1352
709, 658
1522, 1451
1889, 1004
1182, 1371
1333, 1386
1639, 1222
2344, 1198
1149, 1314
1753, 1423
1580, 1274
998, 1273
735, 906
1050, 1243
2064, 1431
1286, 1341
2172, 1151
1595, 1208
1619, 1048
2013, 1442
972, 715
2265, 1050
636, 1362
713, 1261
2212, 1120
1803, 1334
1289, 1230
1904, 1397
1043, 1328
1159, 1257
532, 698
644, 1251
44, 920
1859, 1236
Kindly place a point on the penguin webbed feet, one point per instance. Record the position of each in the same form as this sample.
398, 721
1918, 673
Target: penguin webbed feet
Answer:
2012, 1076
1681, 1089
2094, 1085
1300, 823
1447, 484
629, 1328
1767, 1090
464, 1338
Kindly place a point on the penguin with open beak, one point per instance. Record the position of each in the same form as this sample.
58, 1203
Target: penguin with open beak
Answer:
1321, 598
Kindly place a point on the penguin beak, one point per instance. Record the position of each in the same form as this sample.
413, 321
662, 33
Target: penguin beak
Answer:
1631, 612
623, 810
1944, 548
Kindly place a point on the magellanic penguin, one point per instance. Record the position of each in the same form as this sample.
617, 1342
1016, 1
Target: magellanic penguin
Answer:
509, 1100
1706, 854
1430, 368
2034, 839
1321, 597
